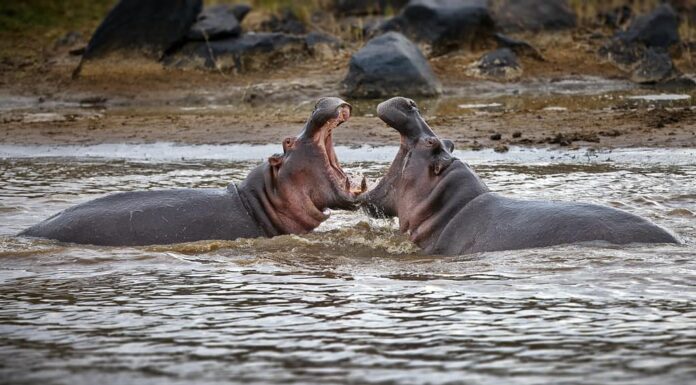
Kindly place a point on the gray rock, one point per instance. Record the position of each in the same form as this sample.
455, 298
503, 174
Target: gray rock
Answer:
388, 65
445, 25
653, 67
501, 63
240, 11
217, 22
659, 28
144, 29
251, 51
642, 49
534, 15
520, 47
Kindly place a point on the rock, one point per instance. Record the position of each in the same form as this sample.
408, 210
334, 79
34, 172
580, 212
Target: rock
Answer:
240, 11
217, 22
517, 134
501, 63
642, 49
366, 7
534, 15
388, 65
660, 28
286, 22
653, 67
322, 46
496, 136
136, 29
251, 51
520, 47
445, 25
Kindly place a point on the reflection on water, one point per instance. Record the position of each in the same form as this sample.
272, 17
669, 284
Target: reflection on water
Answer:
354, 302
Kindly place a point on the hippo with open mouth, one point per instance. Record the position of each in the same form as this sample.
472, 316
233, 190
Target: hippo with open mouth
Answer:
288, 194
446, 209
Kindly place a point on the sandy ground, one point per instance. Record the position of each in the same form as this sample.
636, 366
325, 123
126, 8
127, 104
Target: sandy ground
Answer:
41, 104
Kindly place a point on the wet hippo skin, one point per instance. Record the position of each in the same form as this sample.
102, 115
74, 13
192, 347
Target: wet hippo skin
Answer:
288, 194
446, 209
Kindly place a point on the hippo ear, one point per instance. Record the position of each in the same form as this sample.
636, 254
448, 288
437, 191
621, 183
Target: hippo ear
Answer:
288, 143
441, 163
275, 160
449, 145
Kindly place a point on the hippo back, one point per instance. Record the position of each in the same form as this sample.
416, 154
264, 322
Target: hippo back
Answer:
152, 217
492, 222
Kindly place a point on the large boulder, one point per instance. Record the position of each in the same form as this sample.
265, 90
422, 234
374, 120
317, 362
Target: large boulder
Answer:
137, 29
642, 50
534, 15
218, 22
390, 65
251, 51
366, 7
445, 25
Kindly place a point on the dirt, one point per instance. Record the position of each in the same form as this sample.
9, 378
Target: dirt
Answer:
265, 106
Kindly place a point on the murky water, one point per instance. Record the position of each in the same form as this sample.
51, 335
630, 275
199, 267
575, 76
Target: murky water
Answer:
353, 302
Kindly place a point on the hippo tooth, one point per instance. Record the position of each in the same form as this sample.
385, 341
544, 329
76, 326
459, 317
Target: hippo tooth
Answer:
327, 212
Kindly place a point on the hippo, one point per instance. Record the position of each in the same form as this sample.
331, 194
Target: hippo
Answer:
288, 194
446, 209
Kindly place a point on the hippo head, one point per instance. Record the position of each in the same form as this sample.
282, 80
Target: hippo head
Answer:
421, 160
306, 179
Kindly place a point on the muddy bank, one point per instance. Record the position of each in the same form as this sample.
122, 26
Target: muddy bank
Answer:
469, 125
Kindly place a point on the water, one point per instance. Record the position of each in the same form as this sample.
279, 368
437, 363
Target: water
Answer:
353, 302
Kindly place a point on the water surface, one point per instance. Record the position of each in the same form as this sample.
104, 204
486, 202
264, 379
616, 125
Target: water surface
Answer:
353, 302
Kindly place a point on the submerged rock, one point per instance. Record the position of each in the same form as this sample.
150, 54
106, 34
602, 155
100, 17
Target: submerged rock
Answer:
366, 7
501, 63
389, 65
251, 51
445, 25
215, 22
534, 15
136, 29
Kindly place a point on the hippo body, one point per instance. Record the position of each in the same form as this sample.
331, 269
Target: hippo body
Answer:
153, 217
288, 194
492, 222
445, 208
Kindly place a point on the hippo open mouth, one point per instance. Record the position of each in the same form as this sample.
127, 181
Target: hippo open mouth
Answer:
324, 139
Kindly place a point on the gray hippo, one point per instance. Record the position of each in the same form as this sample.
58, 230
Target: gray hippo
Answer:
288, 194
446, 209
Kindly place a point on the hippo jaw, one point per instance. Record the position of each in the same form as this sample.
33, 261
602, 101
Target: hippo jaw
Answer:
328, 114
401, 114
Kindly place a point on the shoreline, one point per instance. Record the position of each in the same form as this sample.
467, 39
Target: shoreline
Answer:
164, 152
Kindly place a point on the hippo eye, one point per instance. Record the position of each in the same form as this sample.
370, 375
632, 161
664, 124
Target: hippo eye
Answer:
430, 142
